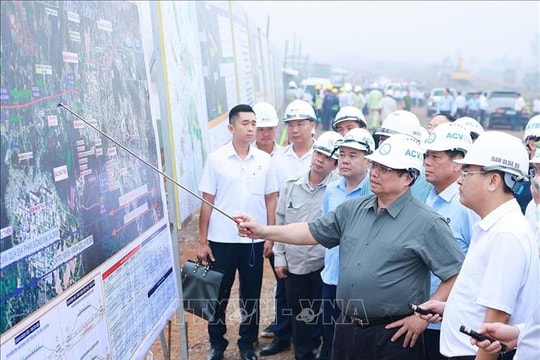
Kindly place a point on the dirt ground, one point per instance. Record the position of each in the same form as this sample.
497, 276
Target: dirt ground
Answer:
198, 345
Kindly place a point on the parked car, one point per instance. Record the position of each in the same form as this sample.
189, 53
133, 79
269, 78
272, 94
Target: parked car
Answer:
501, 109
433, 100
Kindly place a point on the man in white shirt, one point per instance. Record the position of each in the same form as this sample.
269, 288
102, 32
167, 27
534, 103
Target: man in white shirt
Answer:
519, 108
460, 104
236, 177
498, 281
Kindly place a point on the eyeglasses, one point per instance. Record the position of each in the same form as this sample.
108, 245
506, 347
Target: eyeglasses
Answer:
464, 173
381, 168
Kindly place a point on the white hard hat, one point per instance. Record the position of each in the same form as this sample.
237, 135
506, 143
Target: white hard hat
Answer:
357, 88
266, 115
448, 136
299, 110
359, 139
500, 151
400, 151
471, 125
401, 122
536, 158
532, 130
425, 134
326, 142
348, 87
292, 84
349, 113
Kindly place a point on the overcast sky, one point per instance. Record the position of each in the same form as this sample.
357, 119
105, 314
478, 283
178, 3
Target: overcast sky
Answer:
378, 30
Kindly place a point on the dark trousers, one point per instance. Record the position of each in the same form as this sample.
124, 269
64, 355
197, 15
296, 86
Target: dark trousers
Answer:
431, 344
516, 123
353, 342
282, 327
230, 258
304, 299
331, 315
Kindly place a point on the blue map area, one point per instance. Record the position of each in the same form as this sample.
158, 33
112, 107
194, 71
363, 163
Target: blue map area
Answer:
70, 198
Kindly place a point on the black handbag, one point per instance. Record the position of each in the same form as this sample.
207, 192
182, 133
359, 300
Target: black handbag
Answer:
200, 286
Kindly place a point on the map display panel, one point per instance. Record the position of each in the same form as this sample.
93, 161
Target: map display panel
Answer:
70, 198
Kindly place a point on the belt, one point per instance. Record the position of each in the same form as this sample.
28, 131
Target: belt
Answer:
373, 321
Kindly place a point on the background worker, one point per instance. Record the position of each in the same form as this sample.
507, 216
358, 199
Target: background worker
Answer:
446, 143
330, 106
485, 290
267, 122
519, 108
460, 105
446, 103
360, 99
387, 248
374, 98
347, 97
388, 105
353, 167
299, 119
236, 177
347, 118
301, 266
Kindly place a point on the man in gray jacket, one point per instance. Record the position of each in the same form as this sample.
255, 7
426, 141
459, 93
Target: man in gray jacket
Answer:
301, 200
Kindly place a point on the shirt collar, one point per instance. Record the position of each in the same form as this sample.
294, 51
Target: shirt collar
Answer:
395, 208
230, 151
289, 151
500, 212
447, 194
343, 186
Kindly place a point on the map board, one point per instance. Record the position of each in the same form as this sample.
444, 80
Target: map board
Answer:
86, 263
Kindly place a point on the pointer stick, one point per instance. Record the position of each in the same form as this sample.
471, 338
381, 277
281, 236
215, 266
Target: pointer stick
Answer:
147, 163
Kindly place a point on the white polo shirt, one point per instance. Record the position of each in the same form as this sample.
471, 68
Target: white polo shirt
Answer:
239, 186
287, 164
500, 271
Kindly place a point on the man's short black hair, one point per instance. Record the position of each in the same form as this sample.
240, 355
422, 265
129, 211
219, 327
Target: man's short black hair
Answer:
233, 113
447, 116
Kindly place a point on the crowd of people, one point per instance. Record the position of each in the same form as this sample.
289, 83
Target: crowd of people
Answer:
371, 216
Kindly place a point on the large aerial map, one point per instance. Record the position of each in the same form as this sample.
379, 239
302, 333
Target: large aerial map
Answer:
70, 198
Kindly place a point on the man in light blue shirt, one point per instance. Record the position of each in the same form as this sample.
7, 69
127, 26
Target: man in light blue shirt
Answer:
446, 103
353, 166
447, 142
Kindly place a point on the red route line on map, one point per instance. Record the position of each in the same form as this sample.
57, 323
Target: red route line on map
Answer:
33, 102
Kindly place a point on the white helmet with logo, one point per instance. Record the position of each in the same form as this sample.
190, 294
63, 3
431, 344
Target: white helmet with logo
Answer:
266, 115
532, 130
536, 158
349, 113
471, 125
400, 151
359, 139
499, 151
448, 136
326, 142
299, 110
401, 122
424, 133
